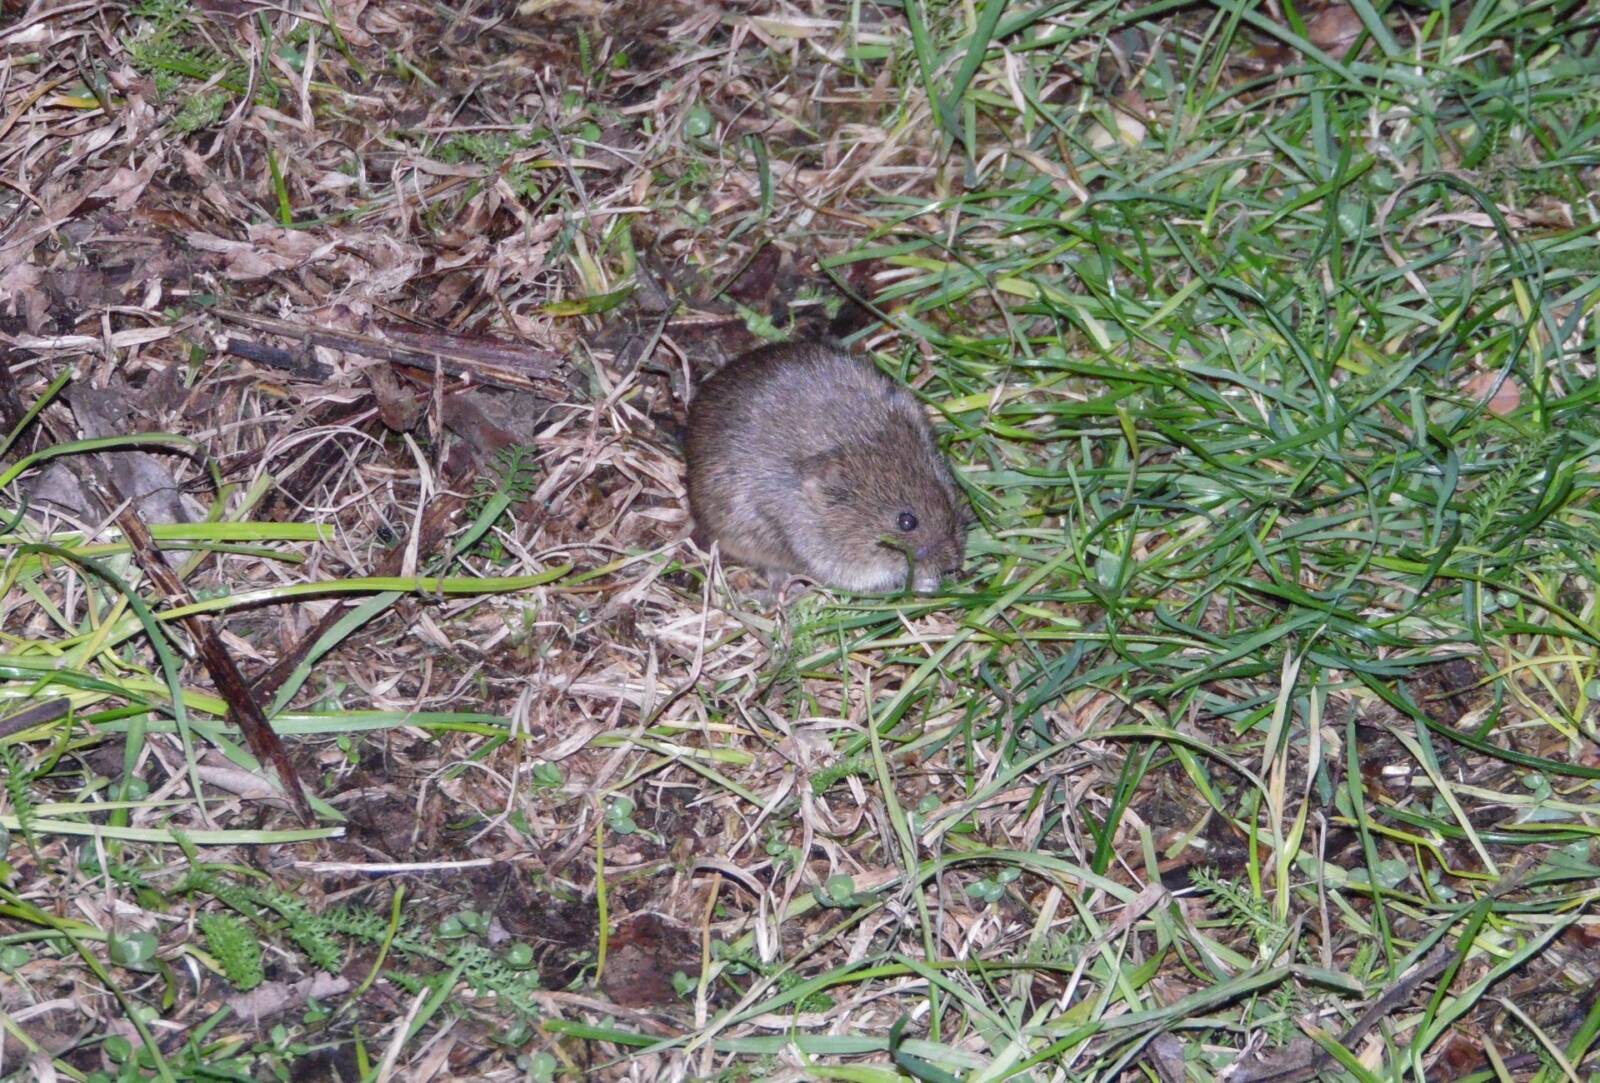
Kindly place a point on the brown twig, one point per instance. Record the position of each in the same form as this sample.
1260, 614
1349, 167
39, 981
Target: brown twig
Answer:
495, 362
296, 363
36, 714
230, 684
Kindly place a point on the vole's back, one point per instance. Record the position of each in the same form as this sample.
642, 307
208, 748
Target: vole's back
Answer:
786, 402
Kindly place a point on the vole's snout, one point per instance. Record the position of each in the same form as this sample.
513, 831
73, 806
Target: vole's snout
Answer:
932, 568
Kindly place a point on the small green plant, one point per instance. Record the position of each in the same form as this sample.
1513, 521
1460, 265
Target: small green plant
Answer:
235, 948
545, 775
464, 923
825, 779
541, 1067
840, 891
489, 148
312, 934
1280, 1007
1237, 906
173, 51
421, 960
18, 784
134, 949
510, 482
784, 854
200, 111
173, 64
991, 889
619, 815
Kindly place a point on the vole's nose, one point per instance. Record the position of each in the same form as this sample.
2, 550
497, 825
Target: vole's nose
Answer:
934, 564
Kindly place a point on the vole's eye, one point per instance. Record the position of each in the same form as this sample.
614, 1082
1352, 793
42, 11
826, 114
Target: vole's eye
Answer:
907, 522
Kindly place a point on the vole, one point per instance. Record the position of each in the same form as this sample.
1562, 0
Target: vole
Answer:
804, 460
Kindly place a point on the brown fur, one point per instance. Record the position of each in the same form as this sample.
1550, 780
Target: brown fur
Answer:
802, 460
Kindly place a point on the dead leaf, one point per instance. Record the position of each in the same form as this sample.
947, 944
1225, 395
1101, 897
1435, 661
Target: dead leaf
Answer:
1507, 398
1334, 29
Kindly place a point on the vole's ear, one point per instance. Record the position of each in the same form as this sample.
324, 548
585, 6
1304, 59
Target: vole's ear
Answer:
824, 477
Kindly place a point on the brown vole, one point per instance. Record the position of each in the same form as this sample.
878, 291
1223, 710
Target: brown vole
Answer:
804, 460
